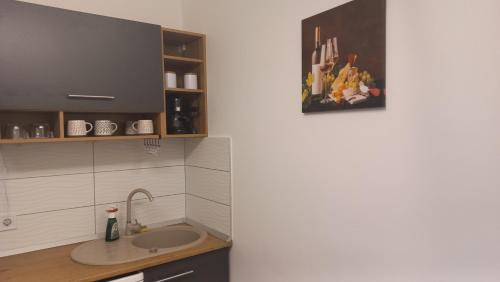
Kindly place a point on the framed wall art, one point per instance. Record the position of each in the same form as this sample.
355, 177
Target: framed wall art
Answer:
343, 57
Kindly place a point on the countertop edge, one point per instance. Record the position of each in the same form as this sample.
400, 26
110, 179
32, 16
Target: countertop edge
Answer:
55, 264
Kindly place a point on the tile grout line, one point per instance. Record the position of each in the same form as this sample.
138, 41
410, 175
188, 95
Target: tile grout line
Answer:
185, 182
139, 168
88, 206
216, 202
88, 172
44, 176
56, 210
139, 199
207, 168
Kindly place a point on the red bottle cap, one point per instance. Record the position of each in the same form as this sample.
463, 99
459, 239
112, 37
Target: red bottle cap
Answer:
112, 209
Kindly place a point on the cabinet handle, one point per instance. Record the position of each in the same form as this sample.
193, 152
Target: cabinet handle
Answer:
176, 276
92, 97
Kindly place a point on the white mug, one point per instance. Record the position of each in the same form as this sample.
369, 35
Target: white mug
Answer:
143, 126
171, 79
190, 81
78, 128
105, 128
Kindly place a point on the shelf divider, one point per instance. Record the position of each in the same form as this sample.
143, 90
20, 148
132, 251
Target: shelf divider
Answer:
182, 59
77, 139
184, 90
60, 125
186, 135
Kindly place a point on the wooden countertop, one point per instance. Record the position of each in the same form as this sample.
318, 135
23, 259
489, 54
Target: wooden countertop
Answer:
55, 264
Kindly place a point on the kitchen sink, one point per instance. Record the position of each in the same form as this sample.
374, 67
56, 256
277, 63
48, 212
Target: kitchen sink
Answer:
145, 245
167, 238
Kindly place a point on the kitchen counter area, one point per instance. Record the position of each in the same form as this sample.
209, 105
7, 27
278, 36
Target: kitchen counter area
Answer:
55, 264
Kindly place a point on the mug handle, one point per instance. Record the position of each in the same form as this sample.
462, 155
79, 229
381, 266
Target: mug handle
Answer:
134, 126
115, 127
91, 127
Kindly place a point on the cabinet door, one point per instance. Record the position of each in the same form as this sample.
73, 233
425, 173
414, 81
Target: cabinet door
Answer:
210, 267
107, 64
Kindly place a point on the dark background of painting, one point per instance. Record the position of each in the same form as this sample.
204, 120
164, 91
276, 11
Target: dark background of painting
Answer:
359, 26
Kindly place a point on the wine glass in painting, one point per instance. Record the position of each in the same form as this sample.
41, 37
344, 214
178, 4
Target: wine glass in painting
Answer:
335, 51
331, 58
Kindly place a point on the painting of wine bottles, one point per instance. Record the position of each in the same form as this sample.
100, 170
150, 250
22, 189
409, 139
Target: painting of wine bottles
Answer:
343, 57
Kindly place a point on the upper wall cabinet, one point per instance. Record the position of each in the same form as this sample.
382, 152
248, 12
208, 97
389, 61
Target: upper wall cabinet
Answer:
58, 60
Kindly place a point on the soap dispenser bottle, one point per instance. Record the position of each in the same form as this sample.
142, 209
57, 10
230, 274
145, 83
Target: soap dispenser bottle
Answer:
112, 226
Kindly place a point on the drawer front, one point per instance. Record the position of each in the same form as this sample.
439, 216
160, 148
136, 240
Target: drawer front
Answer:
210, 267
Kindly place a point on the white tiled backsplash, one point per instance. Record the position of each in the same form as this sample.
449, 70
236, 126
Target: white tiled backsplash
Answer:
59, 192
208, 176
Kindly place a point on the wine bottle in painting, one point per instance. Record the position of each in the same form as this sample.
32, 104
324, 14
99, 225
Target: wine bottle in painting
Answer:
316, 64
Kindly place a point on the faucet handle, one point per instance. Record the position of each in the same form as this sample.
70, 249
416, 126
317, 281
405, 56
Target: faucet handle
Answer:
139, 224
141, 228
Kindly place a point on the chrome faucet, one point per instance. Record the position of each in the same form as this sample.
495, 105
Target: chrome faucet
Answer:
133, 228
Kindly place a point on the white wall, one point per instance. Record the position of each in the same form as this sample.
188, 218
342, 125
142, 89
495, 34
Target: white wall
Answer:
409, 193
166, 13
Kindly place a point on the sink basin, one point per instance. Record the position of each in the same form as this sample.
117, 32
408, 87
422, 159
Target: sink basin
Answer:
127, 249
167, 238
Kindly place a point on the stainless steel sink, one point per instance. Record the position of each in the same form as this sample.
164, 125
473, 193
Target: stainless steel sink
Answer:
167, 238
156, 242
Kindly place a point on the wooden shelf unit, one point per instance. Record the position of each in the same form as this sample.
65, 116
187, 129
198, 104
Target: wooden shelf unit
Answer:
58, 120
190, 60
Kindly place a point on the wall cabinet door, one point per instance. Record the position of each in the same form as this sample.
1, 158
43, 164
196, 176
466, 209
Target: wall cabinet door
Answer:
209, 267
48, 54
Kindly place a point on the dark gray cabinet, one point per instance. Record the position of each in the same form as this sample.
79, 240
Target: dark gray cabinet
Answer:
107, 64
209, 267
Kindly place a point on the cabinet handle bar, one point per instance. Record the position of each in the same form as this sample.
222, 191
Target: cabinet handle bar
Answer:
177, 276
92, 97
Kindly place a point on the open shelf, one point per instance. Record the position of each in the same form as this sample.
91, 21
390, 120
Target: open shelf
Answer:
25, 121
181, 64
120, 119
183, 90
187, 135
174, 40
184, 52
57, 123
192, 106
